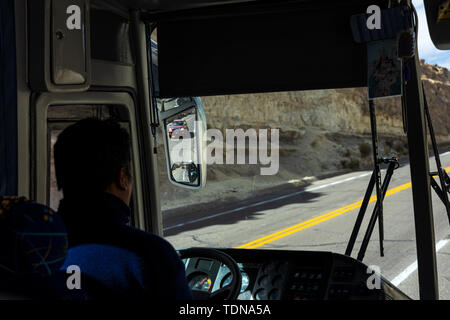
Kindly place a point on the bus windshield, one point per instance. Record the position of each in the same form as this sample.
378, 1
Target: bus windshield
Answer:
288, 170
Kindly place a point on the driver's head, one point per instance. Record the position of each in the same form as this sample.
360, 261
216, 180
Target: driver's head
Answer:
93, 156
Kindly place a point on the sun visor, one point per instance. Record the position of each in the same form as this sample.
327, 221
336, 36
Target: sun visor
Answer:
295, 47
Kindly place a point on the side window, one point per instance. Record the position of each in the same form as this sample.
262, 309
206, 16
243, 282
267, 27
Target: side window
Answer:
59, 118
55, 194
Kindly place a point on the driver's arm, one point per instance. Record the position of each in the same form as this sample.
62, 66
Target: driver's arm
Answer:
167, 270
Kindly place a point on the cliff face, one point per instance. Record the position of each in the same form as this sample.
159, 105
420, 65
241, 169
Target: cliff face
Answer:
320, 132
437, 90
342, 111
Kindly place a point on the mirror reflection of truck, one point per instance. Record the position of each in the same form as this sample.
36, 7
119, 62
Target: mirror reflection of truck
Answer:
177, 127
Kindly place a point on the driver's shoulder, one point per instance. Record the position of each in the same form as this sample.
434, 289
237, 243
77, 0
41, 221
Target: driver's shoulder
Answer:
149, 244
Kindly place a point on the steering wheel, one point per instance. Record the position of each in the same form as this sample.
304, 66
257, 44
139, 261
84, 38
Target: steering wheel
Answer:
231, 290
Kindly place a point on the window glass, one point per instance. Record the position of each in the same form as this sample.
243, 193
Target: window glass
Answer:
297, 179
316, 150
55, 194
59, 118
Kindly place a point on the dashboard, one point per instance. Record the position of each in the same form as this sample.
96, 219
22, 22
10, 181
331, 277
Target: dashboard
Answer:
292, 275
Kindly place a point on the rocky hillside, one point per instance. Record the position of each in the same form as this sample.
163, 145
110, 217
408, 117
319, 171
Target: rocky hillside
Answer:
321, 132
342, 111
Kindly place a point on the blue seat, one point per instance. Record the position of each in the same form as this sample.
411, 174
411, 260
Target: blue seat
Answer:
35, 257
33, 248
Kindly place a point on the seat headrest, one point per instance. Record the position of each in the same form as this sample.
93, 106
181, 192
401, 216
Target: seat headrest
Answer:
33, 239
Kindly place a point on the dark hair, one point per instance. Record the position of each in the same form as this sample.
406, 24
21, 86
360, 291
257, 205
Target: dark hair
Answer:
89, 155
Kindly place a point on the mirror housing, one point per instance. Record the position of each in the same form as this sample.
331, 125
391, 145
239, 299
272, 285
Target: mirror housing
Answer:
184, 128
59, 45
438, 24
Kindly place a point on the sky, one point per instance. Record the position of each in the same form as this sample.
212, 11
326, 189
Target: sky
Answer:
427, 50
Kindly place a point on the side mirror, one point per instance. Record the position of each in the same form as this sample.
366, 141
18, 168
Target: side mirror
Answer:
184, 127
438, 19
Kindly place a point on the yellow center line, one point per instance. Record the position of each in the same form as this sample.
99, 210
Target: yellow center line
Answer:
312, 222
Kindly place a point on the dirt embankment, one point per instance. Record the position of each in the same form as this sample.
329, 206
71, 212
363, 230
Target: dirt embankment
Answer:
320, 132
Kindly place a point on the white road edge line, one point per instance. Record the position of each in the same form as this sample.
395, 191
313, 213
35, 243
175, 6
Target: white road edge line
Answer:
275, 199
402, 276
413, 266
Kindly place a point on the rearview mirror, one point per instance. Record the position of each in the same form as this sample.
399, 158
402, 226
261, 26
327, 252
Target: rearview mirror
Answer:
184, 127
438, 19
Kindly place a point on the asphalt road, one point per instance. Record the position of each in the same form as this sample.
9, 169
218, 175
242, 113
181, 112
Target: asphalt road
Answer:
321, 217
